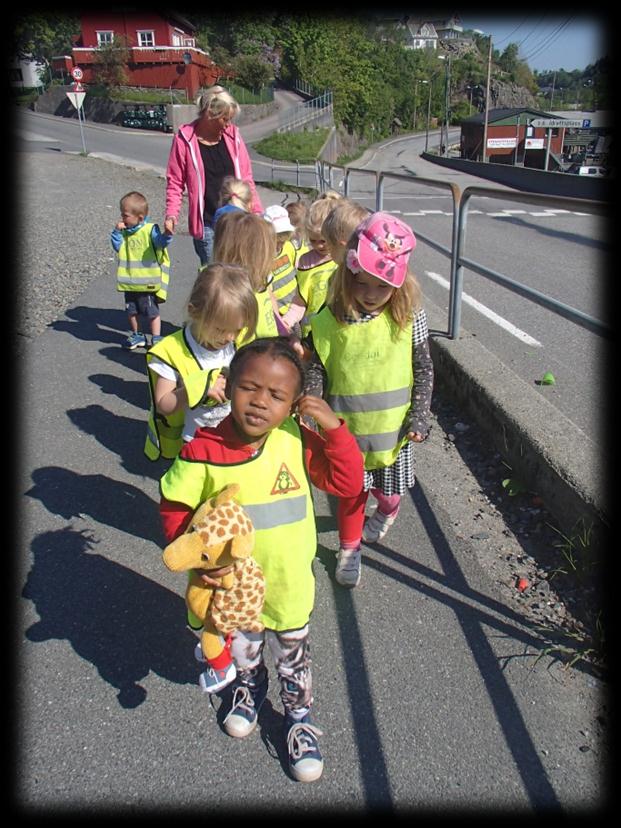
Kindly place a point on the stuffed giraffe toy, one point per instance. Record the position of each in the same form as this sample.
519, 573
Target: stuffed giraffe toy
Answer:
220, 534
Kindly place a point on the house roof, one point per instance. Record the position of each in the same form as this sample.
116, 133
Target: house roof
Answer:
501, 114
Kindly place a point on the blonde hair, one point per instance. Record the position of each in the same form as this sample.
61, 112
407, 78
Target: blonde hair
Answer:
319, 211
341, 223
248, 240
403, 304
135, 202
216, 102
222, 296
235, 188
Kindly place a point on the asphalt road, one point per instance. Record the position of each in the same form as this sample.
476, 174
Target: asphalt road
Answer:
561, 254
428, 688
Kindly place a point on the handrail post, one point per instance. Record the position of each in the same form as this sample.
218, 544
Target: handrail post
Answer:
457, 271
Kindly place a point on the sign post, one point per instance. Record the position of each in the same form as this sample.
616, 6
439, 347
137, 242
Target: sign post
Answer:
76, 96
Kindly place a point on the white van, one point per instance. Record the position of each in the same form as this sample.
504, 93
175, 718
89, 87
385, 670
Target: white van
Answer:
597, 172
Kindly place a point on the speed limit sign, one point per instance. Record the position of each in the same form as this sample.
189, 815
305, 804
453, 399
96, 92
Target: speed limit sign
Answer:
77, 74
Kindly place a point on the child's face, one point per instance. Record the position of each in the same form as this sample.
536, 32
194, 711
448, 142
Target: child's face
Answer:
215, 337
370, 293
318, 244
129, 217
262, 393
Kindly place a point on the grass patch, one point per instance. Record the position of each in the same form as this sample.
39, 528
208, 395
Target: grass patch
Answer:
294, 146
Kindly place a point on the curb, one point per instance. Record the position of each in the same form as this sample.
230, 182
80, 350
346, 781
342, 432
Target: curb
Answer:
548, 453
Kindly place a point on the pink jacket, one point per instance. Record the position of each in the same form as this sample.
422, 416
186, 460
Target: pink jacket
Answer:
185, 169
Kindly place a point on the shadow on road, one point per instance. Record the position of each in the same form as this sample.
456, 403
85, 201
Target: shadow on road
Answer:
105, 612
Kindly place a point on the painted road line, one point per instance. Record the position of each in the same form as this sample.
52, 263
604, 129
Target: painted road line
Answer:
503, 323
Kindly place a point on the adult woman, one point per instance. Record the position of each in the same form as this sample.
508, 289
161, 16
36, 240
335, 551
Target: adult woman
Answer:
202, 154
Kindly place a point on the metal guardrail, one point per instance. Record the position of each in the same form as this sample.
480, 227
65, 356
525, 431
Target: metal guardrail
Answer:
303, 113
458, 261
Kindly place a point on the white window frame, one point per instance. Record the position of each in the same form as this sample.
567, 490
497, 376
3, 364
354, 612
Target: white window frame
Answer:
140, 33
104, 41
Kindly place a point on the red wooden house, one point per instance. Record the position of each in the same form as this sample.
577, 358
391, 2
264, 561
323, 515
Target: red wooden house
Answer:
162, 49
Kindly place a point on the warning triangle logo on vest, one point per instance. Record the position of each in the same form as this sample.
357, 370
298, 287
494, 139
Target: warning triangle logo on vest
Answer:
285, 481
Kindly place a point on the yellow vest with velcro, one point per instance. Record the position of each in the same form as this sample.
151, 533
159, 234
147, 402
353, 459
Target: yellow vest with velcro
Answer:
266, 320
285, 284
276, 494
369, 380
140, 266
313, 288
165, 433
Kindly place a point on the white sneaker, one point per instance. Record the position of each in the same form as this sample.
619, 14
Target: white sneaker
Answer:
348, 567
377, 525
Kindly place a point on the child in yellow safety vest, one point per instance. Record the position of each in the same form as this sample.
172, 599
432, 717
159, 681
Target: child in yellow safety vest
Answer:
187, 369
143, 267
263, 448
314, 268
297, 211
246, 239
284, 281
372, 364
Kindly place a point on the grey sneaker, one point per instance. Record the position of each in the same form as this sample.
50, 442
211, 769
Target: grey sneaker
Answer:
212, 679
305, 759
242, 718
377, 525
348, 565
155, 340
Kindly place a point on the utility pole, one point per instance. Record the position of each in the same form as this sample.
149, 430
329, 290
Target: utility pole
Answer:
489, 73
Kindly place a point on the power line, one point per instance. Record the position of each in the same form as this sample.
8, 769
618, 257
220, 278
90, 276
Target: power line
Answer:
498, 42
551, 39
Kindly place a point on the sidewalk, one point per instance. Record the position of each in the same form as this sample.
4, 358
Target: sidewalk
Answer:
427, 686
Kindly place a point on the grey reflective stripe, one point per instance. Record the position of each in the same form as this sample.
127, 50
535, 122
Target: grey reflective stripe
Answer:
129, 264
284, 280
377, 401
378, 442
282, 299
270, 515
152, 435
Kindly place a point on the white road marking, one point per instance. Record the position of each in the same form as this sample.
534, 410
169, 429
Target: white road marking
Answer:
485, 311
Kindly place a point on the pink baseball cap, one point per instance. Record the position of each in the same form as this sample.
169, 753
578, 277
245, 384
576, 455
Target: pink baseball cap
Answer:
384, 247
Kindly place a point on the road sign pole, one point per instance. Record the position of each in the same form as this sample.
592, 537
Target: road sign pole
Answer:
79, 108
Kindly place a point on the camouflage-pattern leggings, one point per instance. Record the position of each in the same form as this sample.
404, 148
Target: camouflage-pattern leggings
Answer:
291, 654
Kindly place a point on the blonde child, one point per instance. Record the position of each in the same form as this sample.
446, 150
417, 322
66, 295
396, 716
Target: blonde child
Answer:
187, 369
143, 269
372, 365
284, 275
235, 194
246, 239
340, 224
261, 446
315, 267
297, 211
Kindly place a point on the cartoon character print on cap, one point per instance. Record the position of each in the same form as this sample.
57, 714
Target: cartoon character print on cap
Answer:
384, 245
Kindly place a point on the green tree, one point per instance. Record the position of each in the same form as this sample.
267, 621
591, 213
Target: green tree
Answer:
45, 34
252, 72
111, 67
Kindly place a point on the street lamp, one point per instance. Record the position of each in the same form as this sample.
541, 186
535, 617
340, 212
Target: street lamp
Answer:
428, 114
416, 82
489, 72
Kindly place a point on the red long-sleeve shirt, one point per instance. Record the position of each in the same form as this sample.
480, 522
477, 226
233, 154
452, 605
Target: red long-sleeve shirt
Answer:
333, 461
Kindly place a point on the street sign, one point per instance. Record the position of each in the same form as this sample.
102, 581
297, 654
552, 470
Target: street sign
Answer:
76, 98
77, 74
77, 87
560, 122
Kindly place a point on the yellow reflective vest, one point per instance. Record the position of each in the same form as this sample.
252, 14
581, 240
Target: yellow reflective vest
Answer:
165, 433
285, 283
142, 267
276, 493
313, 288
369, 380
266, 320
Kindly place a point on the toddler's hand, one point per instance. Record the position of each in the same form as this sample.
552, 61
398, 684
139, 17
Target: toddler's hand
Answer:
209, 576
216, 392
415, 437
319, 410
120, 225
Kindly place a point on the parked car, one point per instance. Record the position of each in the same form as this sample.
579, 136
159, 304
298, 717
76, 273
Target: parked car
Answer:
592, 170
